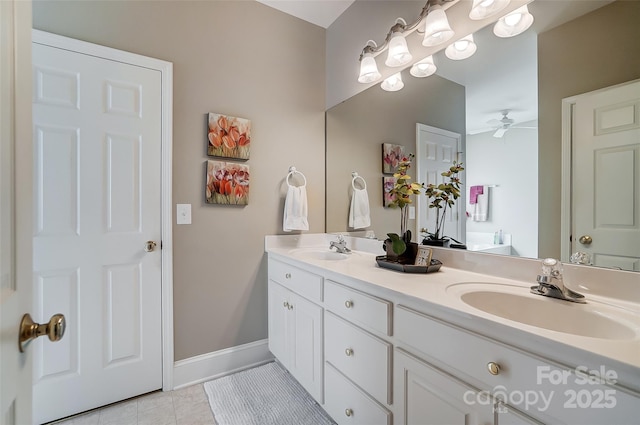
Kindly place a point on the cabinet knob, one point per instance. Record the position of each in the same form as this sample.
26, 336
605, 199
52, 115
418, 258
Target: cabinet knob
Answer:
348, 352
288, 275
290, 306
493, 368
348, 412
348, 304
285, 304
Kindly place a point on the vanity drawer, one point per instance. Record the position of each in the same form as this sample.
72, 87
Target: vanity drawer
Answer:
347, 404
470, 357
362, 357
300, 281
359, 307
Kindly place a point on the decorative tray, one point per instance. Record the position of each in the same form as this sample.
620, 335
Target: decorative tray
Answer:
408, 268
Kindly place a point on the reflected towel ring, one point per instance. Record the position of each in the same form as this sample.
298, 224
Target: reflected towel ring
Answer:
353, 181
292, 171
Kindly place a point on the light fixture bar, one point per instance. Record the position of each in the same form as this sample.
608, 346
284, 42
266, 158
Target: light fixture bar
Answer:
406, 29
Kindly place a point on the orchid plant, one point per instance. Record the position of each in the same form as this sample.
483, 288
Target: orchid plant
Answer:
443, 196
401, 194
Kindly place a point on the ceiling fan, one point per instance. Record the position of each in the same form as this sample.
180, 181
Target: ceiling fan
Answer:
502, 125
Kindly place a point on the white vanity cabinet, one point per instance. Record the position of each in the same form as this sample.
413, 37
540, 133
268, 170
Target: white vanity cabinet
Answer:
516, 387
378, 356
295, 324
358, 356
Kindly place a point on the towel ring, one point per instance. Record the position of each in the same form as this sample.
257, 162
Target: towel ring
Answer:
292, 171
353, 181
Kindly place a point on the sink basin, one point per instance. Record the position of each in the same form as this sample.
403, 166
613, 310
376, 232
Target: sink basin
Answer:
595, 320
318, 254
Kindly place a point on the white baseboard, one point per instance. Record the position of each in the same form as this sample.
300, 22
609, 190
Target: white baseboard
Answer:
220, 363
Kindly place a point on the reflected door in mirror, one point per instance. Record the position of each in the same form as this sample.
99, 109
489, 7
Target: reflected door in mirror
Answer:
606, 156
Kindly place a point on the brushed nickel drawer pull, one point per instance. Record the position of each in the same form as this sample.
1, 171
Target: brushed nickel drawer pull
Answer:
348, 352
348, 304
348, 412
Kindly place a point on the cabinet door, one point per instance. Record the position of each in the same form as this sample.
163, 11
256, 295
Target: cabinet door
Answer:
426, 395
278, 323
507, 415
306, 345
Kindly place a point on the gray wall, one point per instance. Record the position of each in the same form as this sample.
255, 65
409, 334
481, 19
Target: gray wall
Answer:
597, 50
239, 58
357, 128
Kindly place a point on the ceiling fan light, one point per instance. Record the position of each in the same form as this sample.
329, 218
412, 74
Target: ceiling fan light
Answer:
461, 49
393, 83
423, 68
368, 69
514, 23
437, 29
398, 51
481, 9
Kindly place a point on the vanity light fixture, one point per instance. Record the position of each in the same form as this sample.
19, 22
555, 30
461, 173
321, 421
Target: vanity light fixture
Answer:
461, 49
436, 27
514, 23
481, 9
368, 68
438, 32
424, 68
398, 51
393, 83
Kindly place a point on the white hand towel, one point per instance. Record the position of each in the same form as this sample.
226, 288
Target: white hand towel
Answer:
359, 217
295, 209
480, 210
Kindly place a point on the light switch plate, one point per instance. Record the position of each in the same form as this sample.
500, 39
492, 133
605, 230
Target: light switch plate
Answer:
183, 213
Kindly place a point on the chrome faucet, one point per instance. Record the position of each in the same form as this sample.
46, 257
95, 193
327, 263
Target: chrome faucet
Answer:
550, 283
340, 245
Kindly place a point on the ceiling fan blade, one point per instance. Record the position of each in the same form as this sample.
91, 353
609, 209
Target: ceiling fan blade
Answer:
500, 132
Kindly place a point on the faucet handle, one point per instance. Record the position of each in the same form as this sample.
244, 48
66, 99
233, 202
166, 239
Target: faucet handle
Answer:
580, 258
340, 238
551, 267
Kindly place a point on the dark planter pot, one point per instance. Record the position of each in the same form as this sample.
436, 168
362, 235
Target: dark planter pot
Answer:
410, 254
407, 257
436, 242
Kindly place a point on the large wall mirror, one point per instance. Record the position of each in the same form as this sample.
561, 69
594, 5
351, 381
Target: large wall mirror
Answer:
526, 78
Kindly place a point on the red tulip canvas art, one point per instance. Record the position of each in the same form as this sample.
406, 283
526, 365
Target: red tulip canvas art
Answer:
227, 183
229, 137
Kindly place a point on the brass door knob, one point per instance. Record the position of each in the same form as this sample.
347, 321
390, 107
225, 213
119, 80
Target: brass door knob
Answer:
149, 246
585, 240
29, 330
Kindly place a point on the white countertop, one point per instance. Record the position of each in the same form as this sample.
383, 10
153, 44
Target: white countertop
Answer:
433, 291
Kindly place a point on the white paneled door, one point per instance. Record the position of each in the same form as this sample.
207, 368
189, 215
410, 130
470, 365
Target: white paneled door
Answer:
606, 176
15, 208
97, 148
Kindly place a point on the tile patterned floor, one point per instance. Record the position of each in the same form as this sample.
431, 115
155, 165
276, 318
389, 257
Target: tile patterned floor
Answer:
187, 406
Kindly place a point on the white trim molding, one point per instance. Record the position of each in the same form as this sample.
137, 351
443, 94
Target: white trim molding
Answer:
166, 70
206, 367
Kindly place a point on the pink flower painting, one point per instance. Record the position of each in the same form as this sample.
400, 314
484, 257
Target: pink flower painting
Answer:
227, 183
229, 137
387, 186
391, 157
